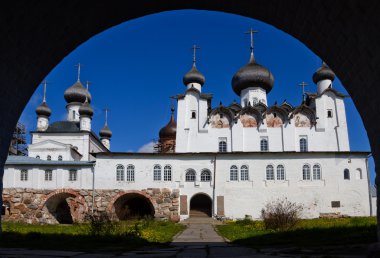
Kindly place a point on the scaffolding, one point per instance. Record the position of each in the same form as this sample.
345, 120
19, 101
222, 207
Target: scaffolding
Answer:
18, 142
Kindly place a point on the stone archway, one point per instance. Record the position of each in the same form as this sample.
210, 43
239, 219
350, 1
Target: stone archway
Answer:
64, 206
344, 35
200, 205
132, 205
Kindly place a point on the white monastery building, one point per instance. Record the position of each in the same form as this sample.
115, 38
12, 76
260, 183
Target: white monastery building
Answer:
214, 160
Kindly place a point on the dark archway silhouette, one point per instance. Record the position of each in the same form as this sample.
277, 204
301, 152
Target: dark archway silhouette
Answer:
200, 205
37, 36
58, 206
133, 206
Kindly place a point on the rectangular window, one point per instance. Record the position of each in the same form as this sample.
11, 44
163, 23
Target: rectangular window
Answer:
24, 175
264, 146
222, 144
335, 204
72, 175
329, 113
48, 175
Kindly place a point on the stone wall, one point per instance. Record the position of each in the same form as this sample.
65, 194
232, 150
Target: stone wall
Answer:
39, 206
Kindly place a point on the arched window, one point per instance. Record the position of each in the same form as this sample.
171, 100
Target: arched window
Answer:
60, 157
264, 145
347, 174
280, 172
244, 175
306, 172
205, 175
119, 173
157, 173
130, 176
222, 146
316, 172
73, 175
48, 175
48, 157
233, 173
190, 176
167, 173
270, 172
24, 175
73, 114
303, 145
359, 174
255, 101
38, 157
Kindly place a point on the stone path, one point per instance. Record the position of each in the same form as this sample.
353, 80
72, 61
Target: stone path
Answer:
198, 240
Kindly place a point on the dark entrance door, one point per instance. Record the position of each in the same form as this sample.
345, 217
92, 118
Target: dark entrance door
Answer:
200, 206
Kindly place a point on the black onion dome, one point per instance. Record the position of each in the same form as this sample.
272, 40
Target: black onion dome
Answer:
105, 132
86, 109
43, 110
193, 76
252, 75
169, 131
324, 72
77, 93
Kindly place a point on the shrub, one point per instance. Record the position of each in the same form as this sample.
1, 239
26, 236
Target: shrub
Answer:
100, 224
281, 214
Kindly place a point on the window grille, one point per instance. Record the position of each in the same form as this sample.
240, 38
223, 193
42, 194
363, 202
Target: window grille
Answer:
244, 175
270, 172
234, 173
157, 173
190, 176
167, 173
48, 175
206, 176
24, 175
280, 172
306, 172
316, 172
130, 177
119, 173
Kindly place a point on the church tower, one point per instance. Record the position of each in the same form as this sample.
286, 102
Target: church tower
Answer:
167, 135
252, 82
192, 108
106, 133
323, 78
85, 113
43, 113
75, 96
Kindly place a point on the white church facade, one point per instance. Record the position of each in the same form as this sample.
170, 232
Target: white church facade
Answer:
225, 160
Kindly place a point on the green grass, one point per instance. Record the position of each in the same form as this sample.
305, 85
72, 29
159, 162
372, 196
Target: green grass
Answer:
119, 236
306, 234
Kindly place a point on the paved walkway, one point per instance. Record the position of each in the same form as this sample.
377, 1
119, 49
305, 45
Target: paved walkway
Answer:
198, 240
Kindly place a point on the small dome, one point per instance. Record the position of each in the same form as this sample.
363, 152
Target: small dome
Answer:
43, 110
169, 131
77, 93
193, 76
86, 109
252, 75
105, 132
323, 73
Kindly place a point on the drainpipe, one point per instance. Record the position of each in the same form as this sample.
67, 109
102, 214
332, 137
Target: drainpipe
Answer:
93, 189
369, 185
213, 188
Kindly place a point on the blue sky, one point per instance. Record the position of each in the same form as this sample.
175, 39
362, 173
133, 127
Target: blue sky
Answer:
136, 66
